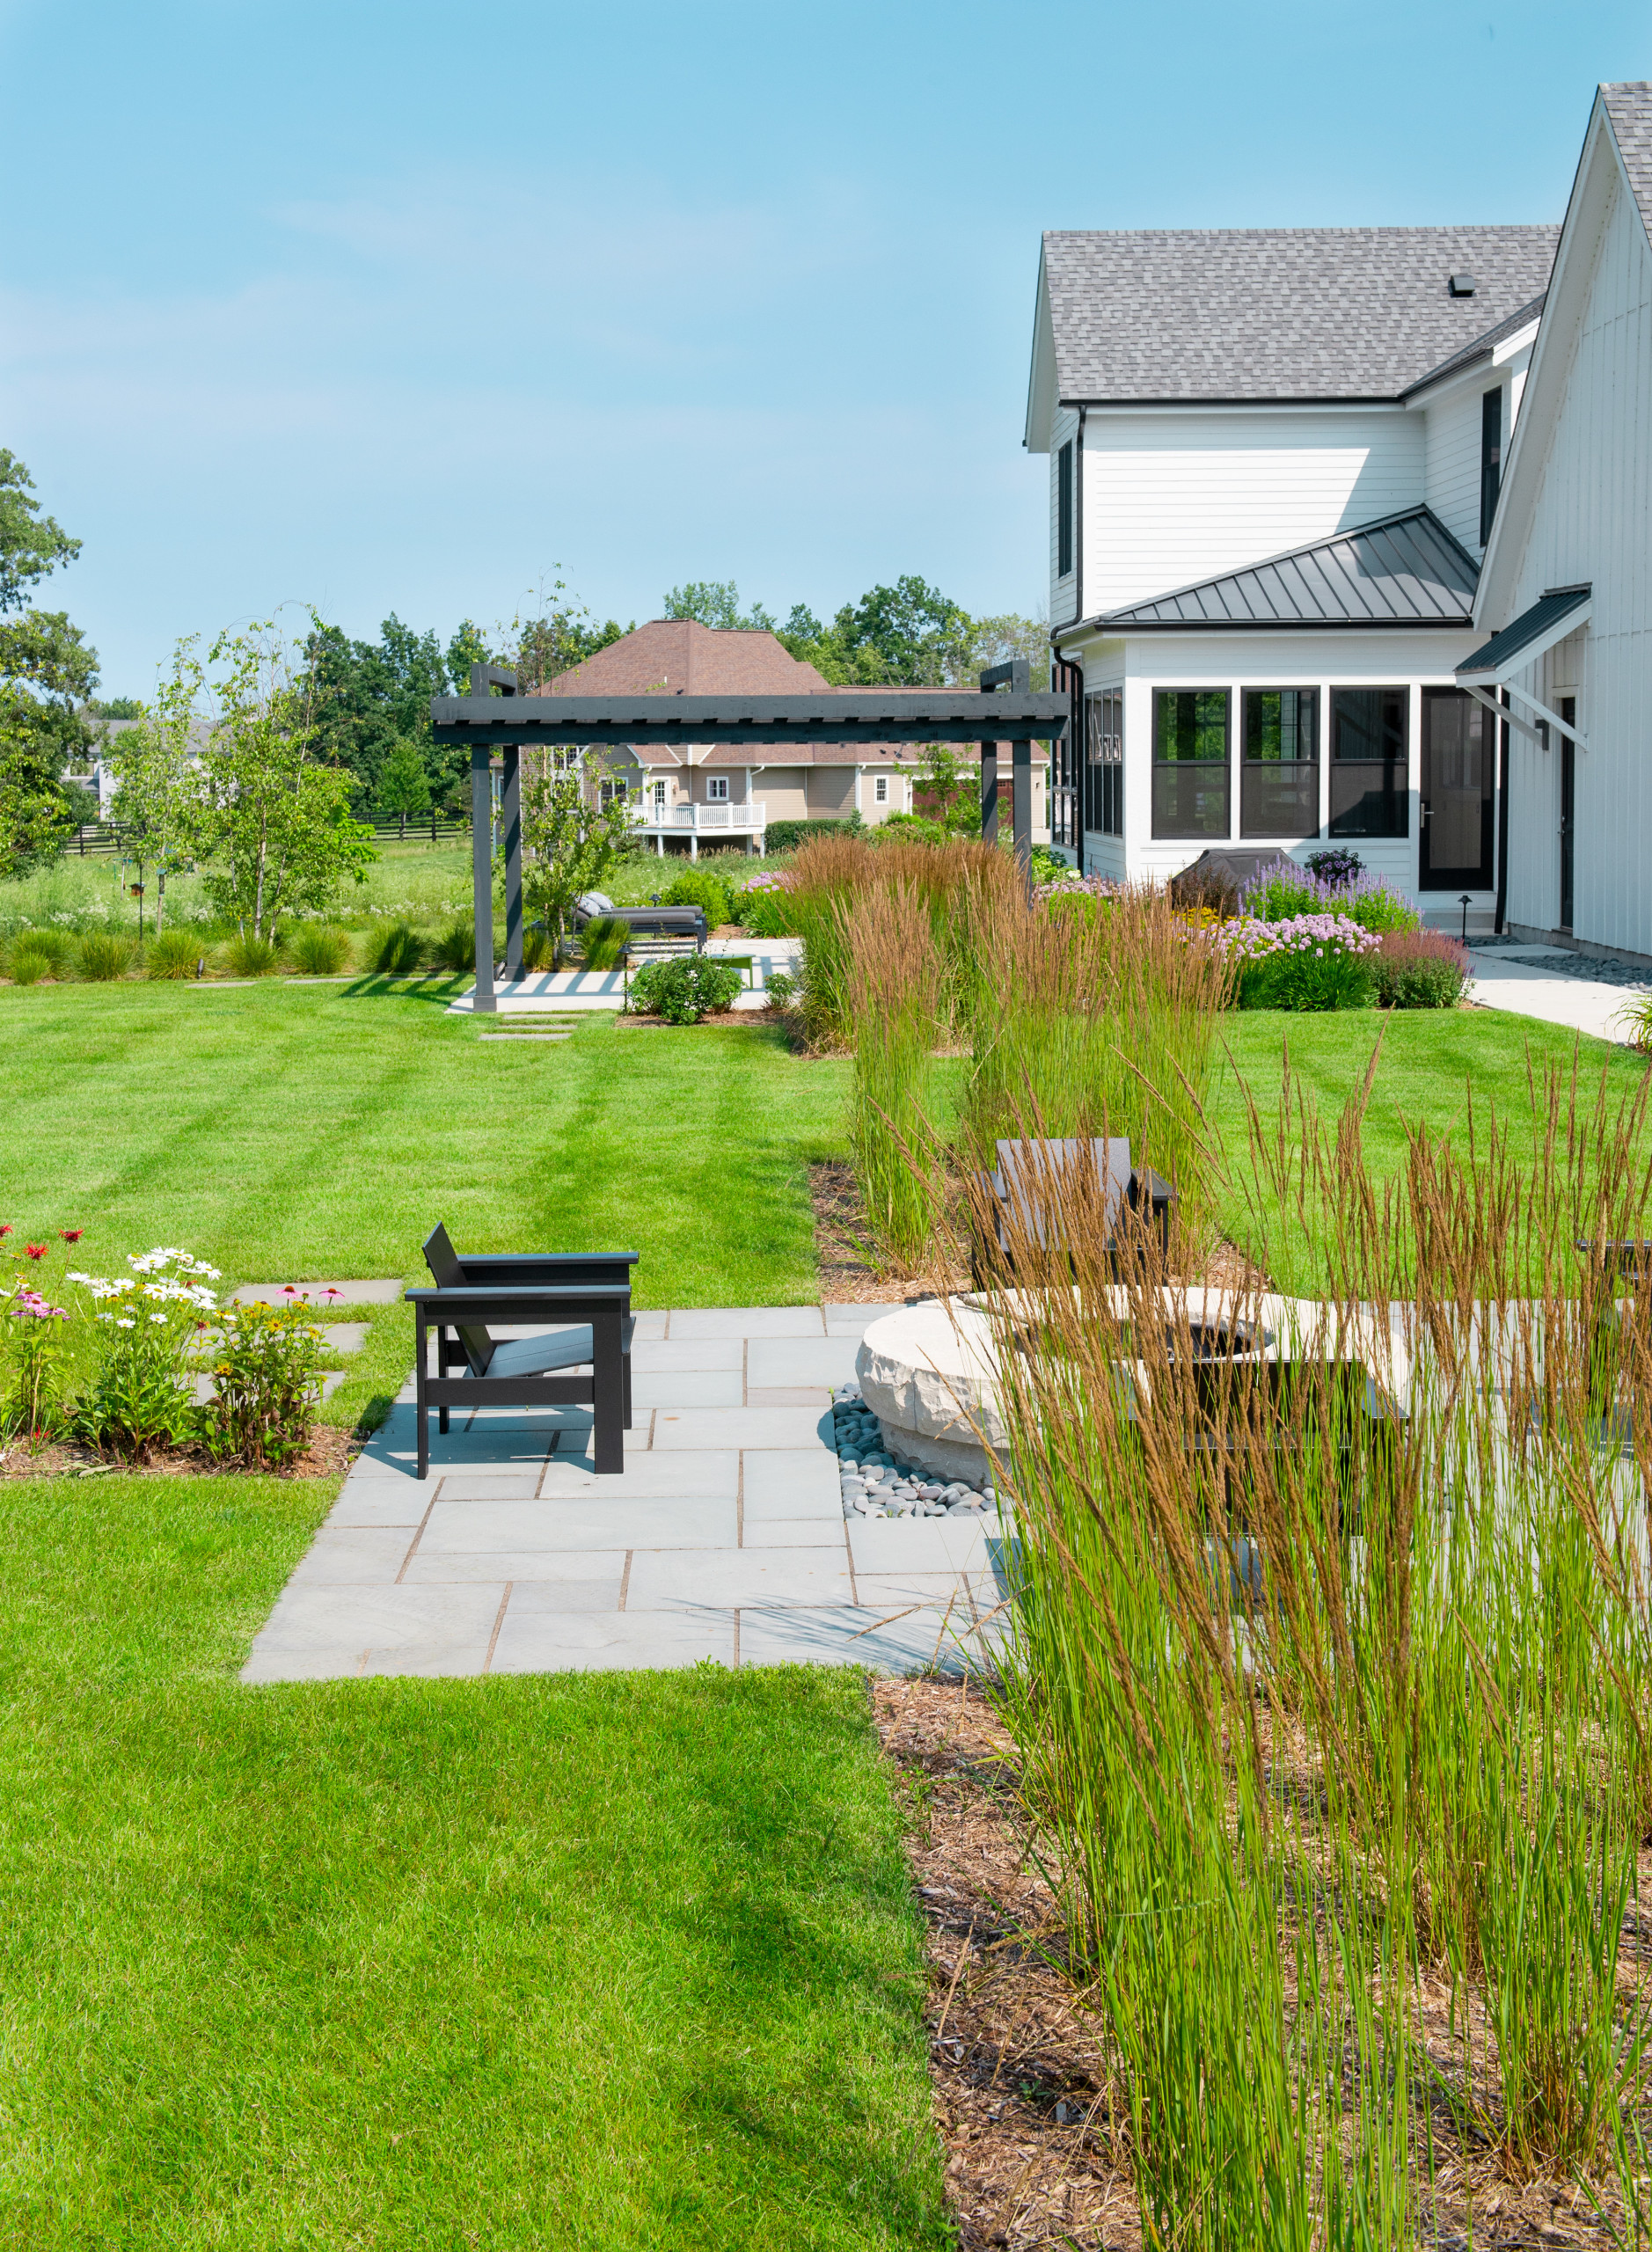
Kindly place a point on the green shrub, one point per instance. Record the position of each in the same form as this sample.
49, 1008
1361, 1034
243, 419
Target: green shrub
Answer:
907, 828
699, 887
786, 836
1419, 969
605, 940
29, 960
318, 951
538, 950
398, 953
1380, 909
1333, 979
249, 957
682, 991
266, 1371
172, 954
456, 948
104, 956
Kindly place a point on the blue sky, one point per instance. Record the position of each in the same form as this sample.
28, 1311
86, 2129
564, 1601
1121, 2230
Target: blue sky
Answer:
402, 307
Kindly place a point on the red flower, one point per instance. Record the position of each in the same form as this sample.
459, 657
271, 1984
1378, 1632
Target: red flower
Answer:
71, 1235
36, 1250
6, 1229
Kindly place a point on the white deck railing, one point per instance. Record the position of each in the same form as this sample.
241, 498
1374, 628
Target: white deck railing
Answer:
698, 820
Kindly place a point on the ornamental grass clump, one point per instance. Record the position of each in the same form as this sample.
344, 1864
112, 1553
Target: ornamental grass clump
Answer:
244, 956
141, 1396
454, 949
1306, 961
893, 976
1329, 1664
265, 1369
318, 950
34, 954
104, 956
172, 955
604, 941
398, 953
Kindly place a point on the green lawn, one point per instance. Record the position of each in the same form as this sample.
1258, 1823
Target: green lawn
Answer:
289, 1131
623, 1961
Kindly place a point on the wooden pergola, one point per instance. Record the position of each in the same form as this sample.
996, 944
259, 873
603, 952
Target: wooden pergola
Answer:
1019, 717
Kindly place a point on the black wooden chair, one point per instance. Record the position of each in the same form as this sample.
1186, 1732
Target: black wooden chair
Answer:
587, 1296
1033, 1179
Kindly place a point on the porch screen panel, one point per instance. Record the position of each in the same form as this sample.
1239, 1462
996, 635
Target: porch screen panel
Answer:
1104, 743
1279, 780
1191, 776
1369, 744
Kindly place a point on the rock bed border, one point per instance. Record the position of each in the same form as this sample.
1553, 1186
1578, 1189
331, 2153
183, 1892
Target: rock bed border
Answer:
874, 1482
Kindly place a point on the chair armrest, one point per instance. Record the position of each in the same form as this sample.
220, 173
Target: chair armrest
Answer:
523, 1302
573, 1269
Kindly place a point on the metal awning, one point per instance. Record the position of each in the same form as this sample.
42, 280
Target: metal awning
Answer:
1558, 612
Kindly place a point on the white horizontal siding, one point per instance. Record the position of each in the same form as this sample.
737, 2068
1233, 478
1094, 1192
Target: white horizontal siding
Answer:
1590, 522
1452, 474
1063, 593
1171, 498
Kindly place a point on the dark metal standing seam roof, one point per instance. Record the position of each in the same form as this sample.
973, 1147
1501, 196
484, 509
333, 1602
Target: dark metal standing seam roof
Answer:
1402, 570
1534, 625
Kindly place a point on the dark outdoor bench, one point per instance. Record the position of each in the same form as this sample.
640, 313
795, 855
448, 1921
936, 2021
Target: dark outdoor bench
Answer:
682, 923
1033, 1177
586, 1296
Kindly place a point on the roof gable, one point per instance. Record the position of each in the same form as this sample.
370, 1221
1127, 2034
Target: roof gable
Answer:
679, 656
1616, 160
1275, 313
1401, 570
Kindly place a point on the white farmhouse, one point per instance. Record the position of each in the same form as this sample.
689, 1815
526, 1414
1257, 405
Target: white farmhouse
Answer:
1275, 462
1566, 589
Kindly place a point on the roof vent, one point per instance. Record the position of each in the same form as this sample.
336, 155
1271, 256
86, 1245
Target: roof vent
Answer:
1462, 285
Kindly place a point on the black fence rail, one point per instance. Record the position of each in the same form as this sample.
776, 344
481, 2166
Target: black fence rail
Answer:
95, 837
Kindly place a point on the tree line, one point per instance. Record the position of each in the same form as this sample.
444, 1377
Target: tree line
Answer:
359, 710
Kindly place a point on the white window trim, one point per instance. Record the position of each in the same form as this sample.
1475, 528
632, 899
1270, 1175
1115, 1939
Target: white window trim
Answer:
717, 789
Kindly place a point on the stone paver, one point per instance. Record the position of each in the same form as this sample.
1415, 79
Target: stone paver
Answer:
1532, 985
724, 1538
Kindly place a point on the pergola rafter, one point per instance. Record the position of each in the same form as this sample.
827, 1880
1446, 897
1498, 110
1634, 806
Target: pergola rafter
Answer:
1019, 717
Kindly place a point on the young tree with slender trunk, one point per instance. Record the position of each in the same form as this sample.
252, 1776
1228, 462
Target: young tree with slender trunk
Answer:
157, 804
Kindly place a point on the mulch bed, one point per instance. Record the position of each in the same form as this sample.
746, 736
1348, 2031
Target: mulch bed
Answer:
330, 1454
1035, 2154
850, 1270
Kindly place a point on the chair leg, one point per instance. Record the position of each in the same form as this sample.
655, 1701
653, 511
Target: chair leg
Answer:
420, 1408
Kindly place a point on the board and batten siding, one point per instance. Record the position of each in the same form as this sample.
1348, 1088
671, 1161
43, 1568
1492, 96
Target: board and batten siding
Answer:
1170, 498
1452, 470
1590, 521
1063, 593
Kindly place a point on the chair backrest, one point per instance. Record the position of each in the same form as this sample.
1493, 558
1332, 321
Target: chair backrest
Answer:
1033, 1176
448, 1275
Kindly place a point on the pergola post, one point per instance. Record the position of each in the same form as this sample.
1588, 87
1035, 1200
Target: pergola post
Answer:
482, 874
484, 680
1017, 677
510, 822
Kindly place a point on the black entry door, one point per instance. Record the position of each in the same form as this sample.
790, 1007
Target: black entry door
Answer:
1454, 854
1568, 809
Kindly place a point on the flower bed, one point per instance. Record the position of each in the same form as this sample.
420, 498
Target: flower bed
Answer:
1303, 961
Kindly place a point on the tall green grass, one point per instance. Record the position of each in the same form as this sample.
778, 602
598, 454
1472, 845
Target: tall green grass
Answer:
1331, 1672
893, 983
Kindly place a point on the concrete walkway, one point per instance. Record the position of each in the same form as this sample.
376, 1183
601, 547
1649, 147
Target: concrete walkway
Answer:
723, 1540
563, 991
1541, 981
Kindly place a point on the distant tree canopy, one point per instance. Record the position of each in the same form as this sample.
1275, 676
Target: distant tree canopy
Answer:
910, 633
48, 670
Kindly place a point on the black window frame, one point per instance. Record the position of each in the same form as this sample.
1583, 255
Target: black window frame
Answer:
1176, 781
1490, 458
1063, 511
1104, 752
1254, 773
1355, 808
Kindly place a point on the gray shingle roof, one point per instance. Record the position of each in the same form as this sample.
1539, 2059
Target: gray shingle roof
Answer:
1402, 570
1629, 106
1278, 312
1482, 347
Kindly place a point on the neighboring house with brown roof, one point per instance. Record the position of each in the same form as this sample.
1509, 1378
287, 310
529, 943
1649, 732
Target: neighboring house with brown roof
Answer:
718, 793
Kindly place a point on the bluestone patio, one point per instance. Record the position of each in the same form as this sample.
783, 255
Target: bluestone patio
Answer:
724, 1540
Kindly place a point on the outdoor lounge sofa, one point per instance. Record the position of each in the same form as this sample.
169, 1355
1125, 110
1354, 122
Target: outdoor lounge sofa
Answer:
682, 923
578, 1307
1033, 1177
